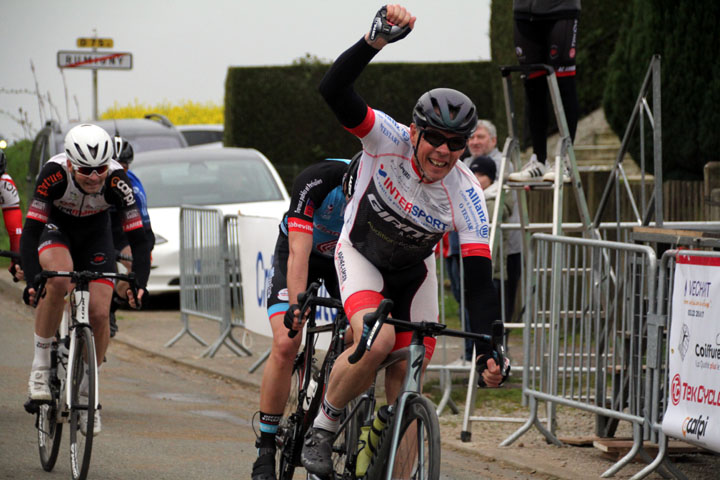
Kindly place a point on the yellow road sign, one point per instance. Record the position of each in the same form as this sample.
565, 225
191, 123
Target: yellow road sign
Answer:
95, 42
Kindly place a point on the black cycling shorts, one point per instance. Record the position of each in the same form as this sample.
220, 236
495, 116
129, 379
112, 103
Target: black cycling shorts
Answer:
552, 42
320, 269
91, 248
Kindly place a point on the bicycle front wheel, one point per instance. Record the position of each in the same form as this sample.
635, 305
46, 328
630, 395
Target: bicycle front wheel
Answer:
418, 453
82, 406
49, 426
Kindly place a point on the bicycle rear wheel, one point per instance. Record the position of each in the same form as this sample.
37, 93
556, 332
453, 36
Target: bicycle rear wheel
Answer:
49, 426
418, 455
81, 445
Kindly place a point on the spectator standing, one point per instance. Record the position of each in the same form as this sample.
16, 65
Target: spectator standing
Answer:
546, 32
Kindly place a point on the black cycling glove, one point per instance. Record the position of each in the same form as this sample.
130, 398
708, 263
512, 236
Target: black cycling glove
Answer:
382, 28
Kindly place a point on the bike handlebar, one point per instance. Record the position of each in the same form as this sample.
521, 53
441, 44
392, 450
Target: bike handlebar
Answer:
309, 300
82, 278
374, 320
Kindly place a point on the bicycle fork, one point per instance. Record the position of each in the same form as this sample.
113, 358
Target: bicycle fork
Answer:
80, 307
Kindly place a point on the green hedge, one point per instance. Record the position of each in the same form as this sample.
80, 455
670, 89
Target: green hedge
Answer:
279, 111
685, 35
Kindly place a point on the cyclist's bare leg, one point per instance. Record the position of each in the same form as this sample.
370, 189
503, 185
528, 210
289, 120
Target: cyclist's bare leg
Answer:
348, 381
275, 387
394, 377
100, 296
50, 308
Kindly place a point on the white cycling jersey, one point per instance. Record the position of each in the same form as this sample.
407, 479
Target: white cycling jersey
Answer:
394, 219
9, 197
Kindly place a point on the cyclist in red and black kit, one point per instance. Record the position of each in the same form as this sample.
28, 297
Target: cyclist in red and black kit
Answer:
10, 204
68, 228
410, 190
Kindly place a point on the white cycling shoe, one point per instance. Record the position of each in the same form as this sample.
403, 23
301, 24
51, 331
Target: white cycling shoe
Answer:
82, 418
39, 385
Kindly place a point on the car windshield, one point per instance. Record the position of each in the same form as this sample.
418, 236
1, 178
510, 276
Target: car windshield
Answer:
203, 181
200, 137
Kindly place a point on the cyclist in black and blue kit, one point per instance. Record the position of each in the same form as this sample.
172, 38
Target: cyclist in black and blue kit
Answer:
124, 155
304, 253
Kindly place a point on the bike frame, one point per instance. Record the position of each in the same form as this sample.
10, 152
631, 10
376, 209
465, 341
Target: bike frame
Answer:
79, 318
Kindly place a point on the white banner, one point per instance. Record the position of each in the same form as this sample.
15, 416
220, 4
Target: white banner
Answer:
257, 237
693, 412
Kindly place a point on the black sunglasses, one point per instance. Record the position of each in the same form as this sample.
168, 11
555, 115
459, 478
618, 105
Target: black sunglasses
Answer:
436, 139
87, 171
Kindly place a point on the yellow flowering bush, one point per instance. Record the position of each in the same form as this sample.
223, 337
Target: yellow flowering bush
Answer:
187, 112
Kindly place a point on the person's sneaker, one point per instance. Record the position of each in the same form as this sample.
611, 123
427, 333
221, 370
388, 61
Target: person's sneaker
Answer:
82, 418
113, 325
533, 171
316, 454
550, 173
264, 466
39, 385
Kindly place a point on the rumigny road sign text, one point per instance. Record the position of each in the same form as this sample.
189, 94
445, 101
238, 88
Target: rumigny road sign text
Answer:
95, 60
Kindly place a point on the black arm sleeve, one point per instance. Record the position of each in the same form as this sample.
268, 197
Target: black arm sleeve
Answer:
140, 247
336, 86
29, 249
481, 298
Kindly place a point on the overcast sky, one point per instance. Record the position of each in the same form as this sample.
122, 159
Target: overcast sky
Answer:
182, 48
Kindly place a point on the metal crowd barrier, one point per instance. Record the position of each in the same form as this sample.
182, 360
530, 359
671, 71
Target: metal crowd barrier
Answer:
585, 332
209, 266
658, 358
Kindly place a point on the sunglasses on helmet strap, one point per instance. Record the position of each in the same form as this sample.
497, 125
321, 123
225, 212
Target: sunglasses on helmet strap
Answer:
436, 139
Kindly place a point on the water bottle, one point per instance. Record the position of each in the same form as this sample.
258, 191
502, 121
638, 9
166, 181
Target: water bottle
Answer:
369, 438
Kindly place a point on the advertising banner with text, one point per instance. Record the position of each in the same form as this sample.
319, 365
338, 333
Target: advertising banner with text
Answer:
693, 412
257, 236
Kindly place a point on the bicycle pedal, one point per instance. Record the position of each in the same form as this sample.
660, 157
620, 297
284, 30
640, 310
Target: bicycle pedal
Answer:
33, 406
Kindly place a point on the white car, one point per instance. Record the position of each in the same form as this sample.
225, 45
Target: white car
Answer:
232, 179
201, 134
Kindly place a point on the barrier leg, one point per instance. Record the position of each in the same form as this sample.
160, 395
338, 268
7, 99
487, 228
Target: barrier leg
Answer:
637, 443
446, 385
660, 461
259, 362
185, 329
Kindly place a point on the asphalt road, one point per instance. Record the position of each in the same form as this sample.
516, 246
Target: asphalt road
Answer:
160, 420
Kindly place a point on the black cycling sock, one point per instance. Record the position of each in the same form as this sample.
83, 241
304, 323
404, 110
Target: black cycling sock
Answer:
268, 429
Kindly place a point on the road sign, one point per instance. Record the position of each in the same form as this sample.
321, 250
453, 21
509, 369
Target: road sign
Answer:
95, 60
93, 42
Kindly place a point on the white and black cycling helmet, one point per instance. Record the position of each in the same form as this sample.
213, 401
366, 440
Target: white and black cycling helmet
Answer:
123, 151
447, 110
88, 145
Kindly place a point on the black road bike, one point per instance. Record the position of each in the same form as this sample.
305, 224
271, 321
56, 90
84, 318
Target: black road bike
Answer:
309, 381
